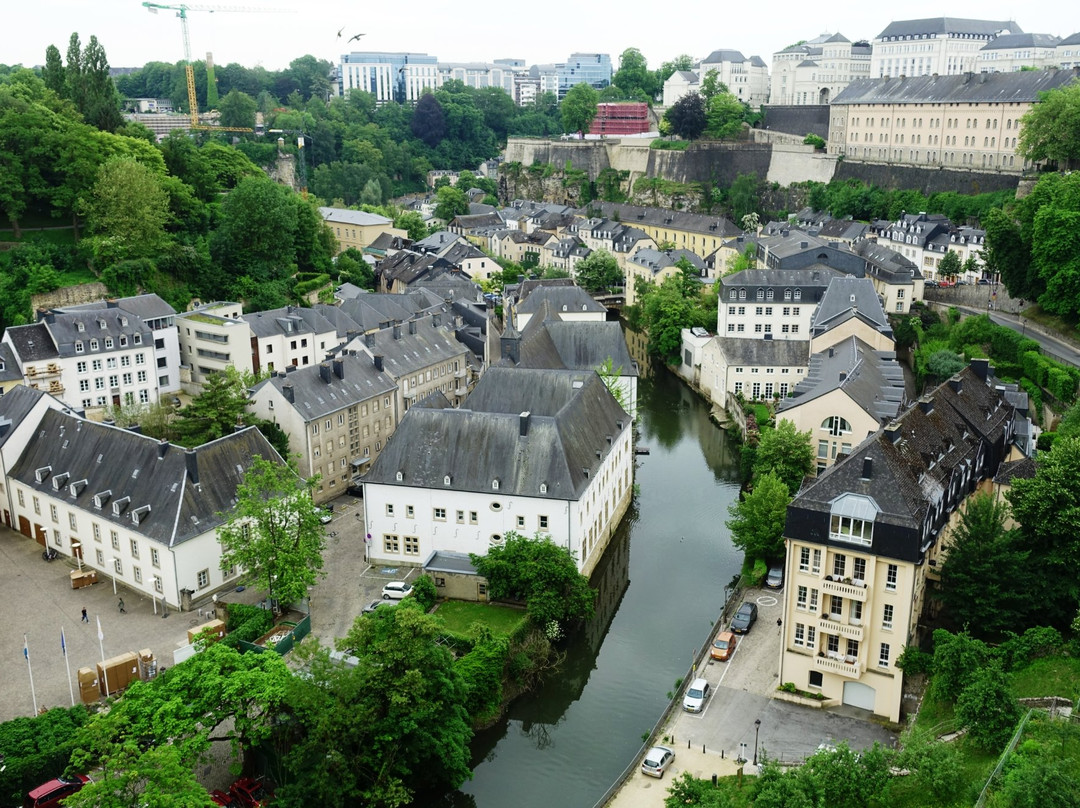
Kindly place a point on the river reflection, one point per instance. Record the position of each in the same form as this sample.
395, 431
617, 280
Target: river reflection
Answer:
660, 585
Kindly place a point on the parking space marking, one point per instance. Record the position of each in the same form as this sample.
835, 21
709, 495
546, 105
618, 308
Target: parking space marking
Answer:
766, 600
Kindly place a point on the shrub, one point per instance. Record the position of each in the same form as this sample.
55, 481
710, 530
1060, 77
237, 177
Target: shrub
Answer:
915, 661
817, 141
482, 672
1020, 650
247, 624
425, 592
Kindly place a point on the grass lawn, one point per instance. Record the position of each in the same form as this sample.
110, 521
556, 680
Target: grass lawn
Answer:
1057, 676
459, 615
762, 413
935, 715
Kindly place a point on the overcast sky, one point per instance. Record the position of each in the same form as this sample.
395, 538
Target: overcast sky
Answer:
541, 31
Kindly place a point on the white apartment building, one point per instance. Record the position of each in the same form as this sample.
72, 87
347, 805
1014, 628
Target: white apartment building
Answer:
817, 70
941, 46
773, 304
214, 337
400, 77
289, 336
746, 78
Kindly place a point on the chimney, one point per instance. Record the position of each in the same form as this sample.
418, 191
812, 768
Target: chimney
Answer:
397, 331
378, 362
281, 374
412, 326
804, 245
893, 432
339, 368
351, 334
287, 391
369, 340
324, 372
436, 320
191, 459
511, 347
957, 384
831, 353
867, 467
843, 376
926, 404
162, 449
523, 423
981, 368
135, 428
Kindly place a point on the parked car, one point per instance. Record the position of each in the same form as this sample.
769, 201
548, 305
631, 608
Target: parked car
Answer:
723, 646
696, 695
983, 281
250, 793
375, 604
744, 618
396, 590
355, 490
325, 517
931, 284
48, 795
656, 761
220, 798
775, 578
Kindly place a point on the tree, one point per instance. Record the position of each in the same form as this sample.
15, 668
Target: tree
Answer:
498, 109
579, 108
352, 268
451, 203
949, 266
847, 779
988, 709
956, 659
666, 310
378, 733
131, 777
634, 77
711, 86
683, 61
215, 412
412, 223
428, 120
785, 452
126, 211
1049, 130
933, 765
102, 103
597, 272
75, 88
256, 234
686, 117
238, 109
986, 580
274, 532
757, 519
540, 573
53, 73
944, 363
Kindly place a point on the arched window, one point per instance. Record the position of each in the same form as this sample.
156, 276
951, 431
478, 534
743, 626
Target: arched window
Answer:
798, 294
835, 425
760, 294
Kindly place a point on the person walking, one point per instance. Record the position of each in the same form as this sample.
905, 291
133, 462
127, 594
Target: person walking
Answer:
120, 605
85, 619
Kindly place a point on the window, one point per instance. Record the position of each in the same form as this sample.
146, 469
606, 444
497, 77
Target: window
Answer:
835, 425
100, 558
439, 514
137, 572
858, 569
472, 517
823, 449
409, 511
37, 506
115, 538
155, 559
815, 679
800, 598
813, 600
134, 549
890, 577
202, 579
389, 509
811, 636
390, 544
816, 567
521, 521
461, 517
848, 528
883, 656
804, 559
887, 617
836, 606
853, 649
800, 635
412, 545
78, 346
839, 564
543, 521
833, 644
54, 512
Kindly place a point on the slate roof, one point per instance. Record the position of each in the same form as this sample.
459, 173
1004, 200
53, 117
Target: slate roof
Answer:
480, 220
967, 88
847, 297
1072, 39
561, 298
404, 352
14, 406
765, 352
9, 364
571, 415
447, 561
287, 320
948, 26
885, 263
148, 307
436, 242
547, 341
873, 380
639, 216
355, 217
319, 391
184, 490
1023, 469
373, 310
338, 318
819, 277
521, 291
723, 55
1006, 41
656, 260
32, 343
687, 75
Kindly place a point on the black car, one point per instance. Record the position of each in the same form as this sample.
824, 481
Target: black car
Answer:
744, 618
355, 490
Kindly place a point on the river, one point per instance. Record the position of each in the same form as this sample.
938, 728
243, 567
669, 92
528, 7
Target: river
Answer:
661, 584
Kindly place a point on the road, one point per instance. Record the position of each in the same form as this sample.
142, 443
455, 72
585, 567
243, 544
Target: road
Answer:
1052, 344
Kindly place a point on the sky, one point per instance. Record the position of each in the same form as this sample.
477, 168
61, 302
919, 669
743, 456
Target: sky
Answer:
541, 32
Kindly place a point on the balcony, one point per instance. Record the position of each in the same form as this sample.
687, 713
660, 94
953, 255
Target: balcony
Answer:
850, 591
841, 667
828, 626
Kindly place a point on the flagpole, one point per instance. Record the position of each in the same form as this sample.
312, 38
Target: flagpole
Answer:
26, 653
67, 666
101, 645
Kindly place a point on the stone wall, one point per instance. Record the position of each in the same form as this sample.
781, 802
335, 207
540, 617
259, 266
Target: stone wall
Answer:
69, 296
979, 297
925, 180
798, 120
791, 164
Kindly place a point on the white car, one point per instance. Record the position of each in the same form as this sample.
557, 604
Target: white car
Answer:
657, 760
396, 590
696, 695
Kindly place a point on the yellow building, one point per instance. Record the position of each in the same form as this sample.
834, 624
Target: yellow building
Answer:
355, 228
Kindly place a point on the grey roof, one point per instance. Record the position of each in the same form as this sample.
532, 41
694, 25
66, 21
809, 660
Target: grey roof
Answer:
318, 390
184, 490
873, 380
14, 406
967, 88
837, 37
413, 346
348, 291
723, 55
1006, 41
847, 297
521, 291
372, 311
687, 76
1072, 39
356, 217
550, 342
96, 324
757, 61
657, 260
447, 561
148, 306
9, 364
885, 263
1023, 469
570, 417
337, 317
640, 216
765, 352
492, 219
562, 298
817, 277
287, 320
948, 26
437, 241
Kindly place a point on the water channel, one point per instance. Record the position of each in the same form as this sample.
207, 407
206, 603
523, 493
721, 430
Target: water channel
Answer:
661, 585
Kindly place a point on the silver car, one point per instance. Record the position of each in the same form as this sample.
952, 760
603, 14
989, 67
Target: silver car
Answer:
657, 761
696, 696
396, 590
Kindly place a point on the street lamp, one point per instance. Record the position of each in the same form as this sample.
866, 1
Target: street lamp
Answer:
757, 728
115, 561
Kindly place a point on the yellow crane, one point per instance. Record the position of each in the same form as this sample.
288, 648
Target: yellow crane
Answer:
181, 10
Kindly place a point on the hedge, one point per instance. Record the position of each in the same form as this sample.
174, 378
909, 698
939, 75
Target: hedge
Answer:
36, 749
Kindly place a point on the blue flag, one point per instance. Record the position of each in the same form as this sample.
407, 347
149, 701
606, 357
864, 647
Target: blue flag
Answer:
63, 647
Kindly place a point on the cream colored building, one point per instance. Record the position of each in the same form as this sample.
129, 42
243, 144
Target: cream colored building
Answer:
817, 70
1011, 53
697, 232
357, 229
969, 121
757, 369
654, 267
214, 337
943, 46
1068, 52
863, 540
746, 78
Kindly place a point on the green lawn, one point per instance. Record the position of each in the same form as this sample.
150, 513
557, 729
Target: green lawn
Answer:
935, 715
1057, 676
762, 413
459, 615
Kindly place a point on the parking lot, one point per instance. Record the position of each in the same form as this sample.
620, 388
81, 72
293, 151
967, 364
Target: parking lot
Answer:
710, 742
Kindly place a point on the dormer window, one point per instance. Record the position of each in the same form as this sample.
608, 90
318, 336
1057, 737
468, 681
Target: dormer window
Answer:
101, 499
138, 339
543, 488
120, 505
42, 473
81, 326
60, 480
102, 324
798, 294
78, 346
140, 513
495, 484
93, 345
123, 341
399, 476
108, 343
446, 480
760, 294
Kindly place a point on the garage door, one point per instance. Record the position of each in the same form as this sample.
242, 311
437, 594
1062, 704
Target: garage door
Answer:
859, 695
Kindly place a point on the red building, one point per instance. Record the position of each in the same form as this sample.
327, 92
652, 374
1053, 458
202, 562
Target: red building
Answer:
631, 118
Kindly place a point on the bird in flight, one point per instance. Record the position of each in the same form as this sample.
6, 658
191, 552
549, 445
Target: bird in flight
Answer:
352, 38
340, 31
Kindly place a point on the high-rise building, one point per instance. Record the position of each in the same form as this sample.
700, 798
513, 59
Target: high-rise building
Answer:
389, 76
593, 69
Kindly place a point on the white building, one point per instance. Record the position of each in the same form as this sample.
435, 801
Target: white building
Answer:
289, 336
746, 78
773, 304
941, 46
214, 337
556, 460
815, 71
398, 77
1011, 53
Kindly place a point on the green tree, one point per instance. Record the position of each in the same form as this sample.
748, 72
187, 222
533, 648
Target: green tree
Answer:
274, 533
216, 411
498, 109
1036, 776
238, 109
126, 212
683, 61
933, 765
847, 779
428, 120
956, 659
1049, 130
986, 580
757, 519
949, 266
711, 86
352, 268
53, 73
612, 377
256, 234
131, 778
102, 103
724, 116
785, 452
744, 196
597, 272
451, 203
634, 77
75, 88
378, 733
579, 108
988, 709
686, 117
540, 573
412, 223
944, 363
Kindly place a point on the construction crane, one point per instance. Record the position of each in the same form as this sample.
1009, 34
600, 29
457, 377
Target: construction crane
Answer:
181, 10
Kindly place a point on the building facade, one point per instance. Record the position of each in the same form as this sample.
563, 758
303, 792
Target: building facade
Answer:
400, 77
746, 78
942, 46
817, 70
